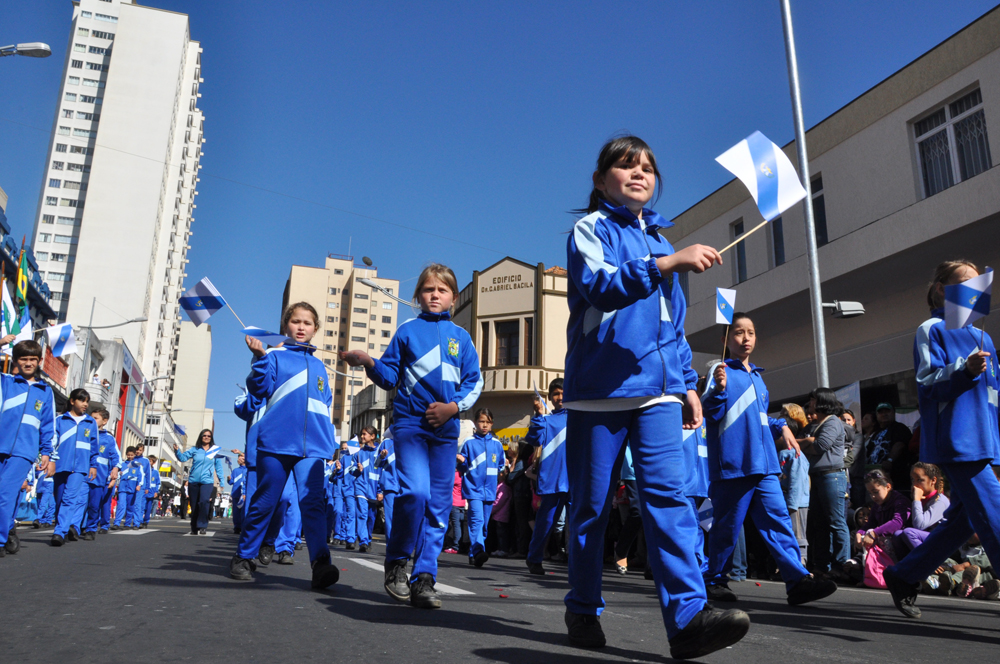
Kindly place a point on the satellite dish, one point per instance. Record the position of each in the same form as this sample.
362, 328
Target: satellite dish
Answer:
367, 261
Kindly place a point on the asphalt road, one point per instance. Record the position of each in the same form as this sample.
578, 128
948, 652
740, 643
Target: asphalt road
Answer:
161, 595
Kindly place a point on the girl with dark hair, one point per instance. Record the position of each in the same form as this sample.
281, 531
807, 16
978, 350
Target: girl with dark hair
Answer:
206, 455
365, 487
927, 509
76, 449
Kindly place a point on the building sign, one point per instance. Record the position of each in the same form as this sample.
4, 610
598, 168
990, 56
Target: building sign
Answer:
507, 287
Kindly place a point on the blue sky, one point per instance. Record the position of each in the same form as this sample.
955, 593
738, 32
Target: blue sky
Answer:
471, 128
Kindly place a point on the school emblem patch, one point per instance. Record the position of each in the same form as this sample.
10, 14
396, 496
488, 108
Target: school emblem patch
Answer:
38, 405
102, 449
320, 383
453, 347
86, 433
494, 458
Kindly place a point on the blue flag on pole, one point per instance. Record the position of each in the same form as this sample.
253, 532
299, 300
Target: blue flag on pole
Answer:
968, 301
725, 304
62, 341
765, 170
201, 301
269, 338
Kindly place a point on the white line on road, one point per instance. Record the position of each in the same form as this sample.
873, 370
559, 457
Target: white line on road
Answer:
136, 532
440, 587
210, 533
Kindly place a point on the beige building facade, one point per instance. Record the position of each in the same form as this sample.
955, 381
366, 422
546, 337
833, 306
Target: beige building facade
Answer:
353, 316
516, 314
188, 388
902, 179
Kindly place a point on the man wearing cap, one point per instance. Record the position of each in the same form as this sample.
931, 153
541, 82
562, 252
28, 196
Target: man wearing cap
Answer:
887, 447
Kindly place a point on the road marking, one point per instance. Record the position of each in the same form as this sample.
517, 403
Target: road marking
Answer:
136, 532
440, 587
210, 533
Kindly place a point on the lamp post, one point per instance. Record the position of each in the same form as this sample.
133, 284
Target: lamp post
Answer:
29, 49
90, 330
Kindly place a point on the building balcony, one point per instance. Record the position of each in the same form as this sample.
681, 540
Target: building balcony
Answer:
518, 379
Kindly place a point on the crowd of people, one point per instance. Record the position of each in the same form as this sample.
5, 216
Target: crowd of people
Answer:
706, 482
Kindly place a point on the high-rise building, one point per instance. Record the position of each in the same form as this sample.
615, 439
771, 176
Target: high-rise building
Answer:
353, 316
117, 200
188, 387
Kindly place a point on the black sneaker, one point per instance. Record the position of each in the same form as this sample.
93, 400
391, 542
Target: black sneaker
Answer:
710, 630
13, 544
3, 552
89, 536
349, 546
237, 531
584, 630
284, 558
810, 589
324, 574
720, 592
472, 561
536, 568
72, 535
116, 527
102, 531
265, 554
397, 582
422, 594
203, 531
904, 595
57, 540
363, 548
35, 524
480, 558
298, 546
241, 569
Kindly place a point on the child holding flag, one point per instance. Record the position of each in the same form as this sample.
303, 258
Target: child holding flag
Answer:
957, 386
77, 454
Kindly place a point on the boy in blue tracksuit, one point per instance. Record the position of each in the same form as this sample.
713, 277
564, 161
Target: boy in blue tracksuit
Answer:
78, 443
366, 488
152, 499
480, 461
388, 482
957, 387
143, 494
27, 429
128, 484
548, 434
43, 496
101, 486
744, 470
434, 365
237, 480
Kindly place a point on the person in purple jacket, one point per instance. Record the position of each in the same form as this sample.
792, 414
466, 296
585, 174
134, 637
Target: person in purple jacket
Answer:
927, 509
890, 512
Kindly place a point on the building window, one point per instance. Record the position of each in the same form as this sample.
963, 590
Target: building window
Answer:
362, 325
44, 237
85, 14
61, 147
819, 210
82, 115
42, 255
97, 50
529, 340
57, 165
360, 296
105, 17
80, 48
73, 80
54, 183
328, 362
484, 356
69, 96
741, 252
79, 149
61, 258
777, 242
82, 32
333, 291
51, 200
328, 347
48, 218
97, 67
360, 310
387, 305
85, 133
87, 99
69, 184
58, 276
65, 239
89, 82
383, 347
329, 333
386, 334
387, 320
69, 202
67, 114
79, 168
76, 64
63, 131
373, 317
507, 343
104, 35
371, 346
68, 221
952, 143
332, 305
338, 271
331, 319
357, 339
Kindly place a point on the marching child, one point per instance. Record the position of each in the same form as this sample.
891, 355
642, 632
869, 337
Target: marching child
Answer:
152, 500
434, 364
77, 453
128, 483
957, 394
142, 493
102, 485
744, 472
237, 480
629, 381
304, 398
480, 461
343, 493
43, 496
388, 482
366, 488
548, 434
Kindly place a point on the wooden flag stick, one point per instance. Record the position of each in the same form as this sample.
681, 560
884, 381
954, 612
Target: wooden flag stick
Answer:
235, 314
743, 237
725, 342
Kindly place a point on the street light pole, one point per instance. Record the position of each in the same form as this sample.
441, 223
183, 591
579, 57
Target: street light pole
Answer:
30, 49
812, 253
90, 330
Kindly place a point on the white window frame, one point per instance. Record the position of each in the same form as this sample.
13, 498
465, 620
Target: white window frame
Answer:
949, 127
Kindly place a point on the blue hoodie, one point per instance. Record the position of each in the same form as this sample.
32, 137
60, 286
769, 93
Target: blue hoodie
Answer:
27, 418
958, 413
250, 409
238, 479
388, 480
77, 444
201, 468
549, 433
483, 460
154, 481
625, 336
430, 359
740, 434
366, 479
108, 457
296, 389
128, 480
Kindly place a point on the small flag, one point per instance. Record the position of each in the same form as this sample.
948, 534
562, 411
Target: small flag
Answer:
165, 466
705, 516
765, 170
269, 338
725, 303
62, 340
179, 430
22, 278
538, 396
201, 301
968, 301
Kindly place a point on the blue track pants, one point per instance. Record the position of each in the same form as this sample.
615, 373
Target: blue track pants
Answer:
47, 507
13, 470
348, 514
237, 509
289, 516
479, 519
126, 500
71, 500
545, 520
98, 508
364, 518
388, 501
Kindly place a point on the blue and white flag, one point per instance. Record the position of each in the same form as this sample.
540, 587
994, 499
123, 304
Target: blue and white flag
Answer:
968, 301
269, 338
765, 170
705, 515
725, 305
201, 301
62, 340
179, 430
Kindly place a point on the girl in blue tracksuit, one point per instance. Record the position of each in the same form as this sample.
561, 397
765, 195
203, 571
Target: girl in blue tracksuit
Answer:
548, 434
365, 487
744, 470
629, 381
238, 481
388, 482
207, 457
434, 365
109, 463
143, 493
480, 461
957, 386
343, 491
77, 449
128, 482
294, 436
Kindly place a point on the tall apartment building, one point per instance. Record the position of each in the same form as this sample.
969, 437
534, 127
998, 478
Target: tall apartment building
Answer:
352, 317
117, 200
189, 385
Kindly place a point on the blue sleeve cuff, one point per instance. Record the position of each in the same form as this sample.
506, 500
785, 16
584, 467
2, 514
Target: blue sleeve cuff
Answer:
655, 276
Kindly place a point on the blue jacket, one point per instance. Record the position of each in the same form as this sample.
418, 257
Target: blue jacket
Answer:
108, 457
145, 472
625, 336
27, 418
696, 461
77, 444
430, 359
388, 480
329, 477
549, 433
201, 468
128, 479
250, 409
154, 481
366, 479
343, 478
740, 434
296, 389
958, 414
480, 472
794, 479
238, 479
